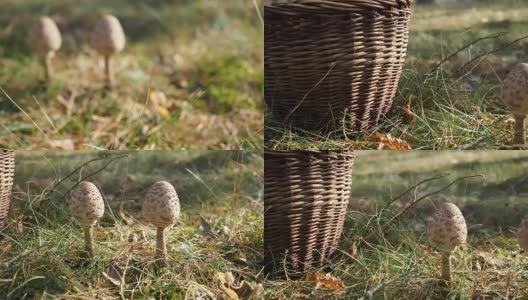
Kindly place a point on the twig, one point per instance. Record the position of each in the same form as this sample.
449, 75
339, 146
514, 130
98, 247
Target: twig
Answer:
414, 187
414, 202
53, 188
332, 66
474, 144
398, 215
94, 173
22, 284
490, 52
491, 36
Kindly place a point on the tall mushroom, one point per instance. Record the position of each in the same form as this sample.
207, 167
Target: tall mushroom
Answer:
161, 207
515, 96
108, 38
447, 230
522, 234
45, 38
87, 206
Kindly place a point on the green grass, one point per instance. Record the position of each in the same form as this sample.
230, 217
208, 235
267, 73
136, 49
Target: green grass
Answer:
40, 249
455, 107
190, 77
399, 260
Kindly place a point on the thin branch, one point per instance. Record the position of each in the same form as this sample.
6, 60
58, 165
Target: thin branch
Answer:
53, 188
491, 52
95, 172
414, 187
491, 36
398, 215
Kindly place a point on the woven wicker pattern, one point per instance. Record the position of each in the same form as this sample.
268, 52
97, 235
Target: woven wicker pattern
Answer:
306, 196
7, 171
330, 64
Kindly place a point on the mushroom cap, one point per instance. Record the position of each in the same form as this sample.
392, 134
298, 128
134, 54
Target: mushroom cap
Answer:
515, 90
522, 234
161, 206
107, 36
44, 36
447, 228
86, 204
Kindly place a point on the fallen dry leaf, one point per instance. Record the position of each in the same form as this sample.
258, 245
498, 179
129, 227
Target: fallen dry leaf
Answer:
389, 141
245, 290
326, 280
115, 272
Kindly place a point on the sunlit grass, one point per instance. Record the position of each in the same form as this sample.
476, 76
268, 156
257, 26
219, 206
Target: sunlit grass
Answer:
41, 249
201, 62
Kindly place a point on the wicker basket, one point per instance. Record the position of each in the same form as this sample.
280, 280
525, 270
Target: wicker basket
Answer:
334, 64
306, 196
7, 171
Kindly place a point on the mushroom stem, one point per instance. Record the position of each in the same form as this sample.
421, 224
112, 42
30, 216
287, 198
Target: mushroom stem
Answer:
446, 266
88, 246
108, 72
518, 137
48, 67
161, 248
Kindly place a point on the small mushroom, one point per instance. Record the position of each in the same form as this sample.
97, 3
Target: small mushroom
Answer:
522, 234
447, 230
161, 207
108, 38
515, 97
45, 38
87, 206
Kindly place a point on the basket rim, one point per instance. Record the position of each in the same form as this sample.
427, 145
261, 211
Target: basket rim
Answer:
340, 5
313, 153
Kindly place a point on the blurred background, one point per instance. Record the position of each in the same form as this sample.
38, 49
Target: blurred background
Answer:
496, 201
190, 76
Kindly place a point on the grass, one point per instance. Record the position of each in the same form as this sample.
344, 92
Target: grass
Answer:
398, 263
40, 249
457, 106
190, 77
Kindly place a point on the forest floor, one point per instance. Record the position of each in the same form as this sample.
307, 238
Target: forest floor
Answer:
190, 77
216, 244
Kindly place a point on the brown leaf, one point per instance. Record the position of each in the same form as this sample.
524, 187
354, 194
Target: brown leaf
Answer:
389, 141
247, 289
115, 272
353, 248
407, 114
225, 281
326, 280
